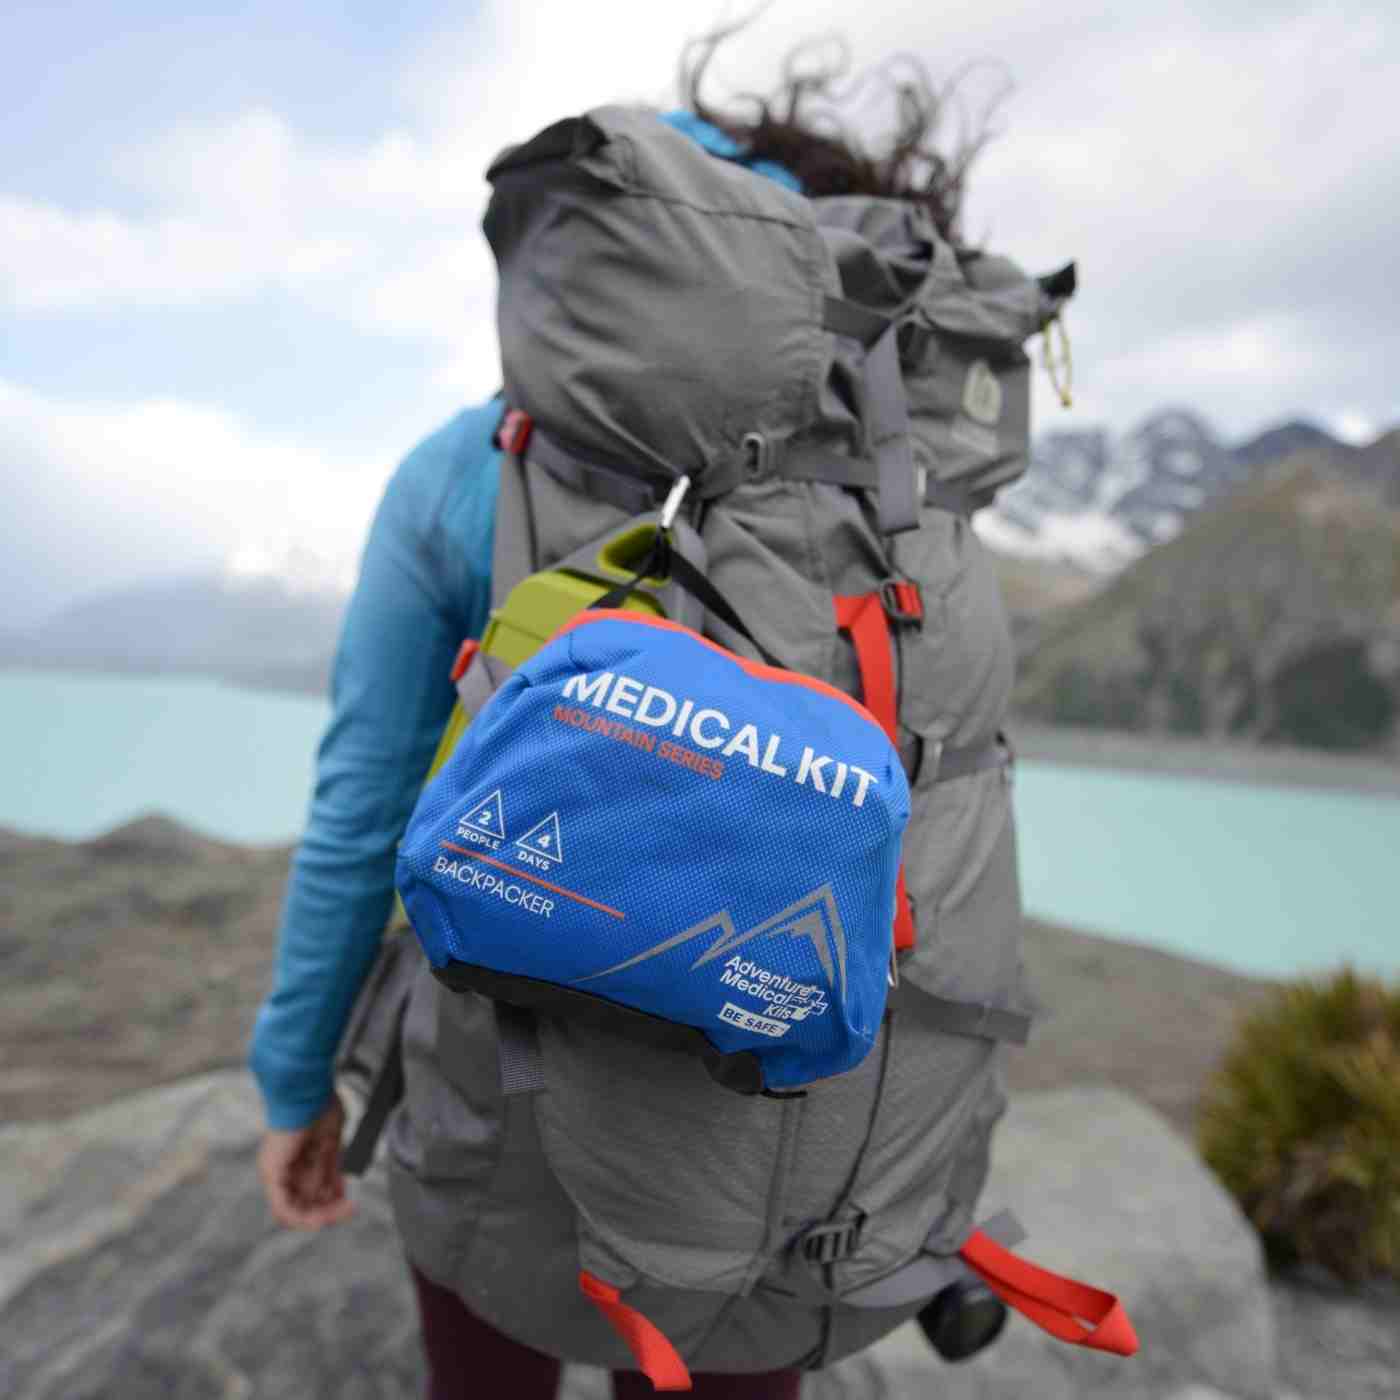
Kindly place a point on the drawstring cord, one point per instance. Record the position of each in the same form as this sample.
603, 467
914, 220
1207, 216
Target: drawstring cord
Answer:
1061, 374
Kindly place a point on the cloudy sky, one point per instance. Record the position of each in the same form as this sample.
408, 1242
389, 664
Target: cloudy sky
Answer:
241, 271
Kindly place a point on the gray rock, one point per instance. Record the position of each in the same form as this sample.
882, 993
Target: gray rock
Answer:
1335, 1343
1113, 1196
137, 1258
1204, 1392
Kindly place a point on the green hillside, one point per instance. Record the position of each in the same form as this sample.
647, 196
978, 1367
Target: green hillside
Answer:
1034, 590
1274, 617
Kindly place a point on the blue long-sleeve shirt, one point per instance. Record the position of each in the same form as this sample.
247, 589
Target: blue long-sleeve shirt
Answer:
424, 585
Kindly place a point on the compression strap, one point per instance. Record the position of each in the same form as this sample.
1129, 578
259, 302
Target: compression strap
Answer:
863, 616
1074, 1312
656, 1358
866, 617
639, 491
384, 1095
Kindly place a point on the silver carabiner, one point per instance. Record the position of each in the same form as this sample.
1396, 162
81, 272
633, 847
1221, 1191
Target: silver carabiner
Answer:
671, 507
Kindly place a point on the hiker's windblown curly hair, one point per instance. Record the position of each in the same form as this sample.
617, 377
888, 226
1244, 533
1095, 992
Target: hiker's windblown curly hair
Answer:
800, 126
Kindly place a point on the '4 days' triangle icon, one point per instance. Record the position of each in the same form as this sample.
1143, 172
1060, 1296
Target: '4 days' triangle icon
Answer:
488, 816
543, 839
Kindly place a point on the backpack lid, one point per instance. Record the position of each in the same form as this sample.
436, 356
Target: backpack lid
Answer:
655, 304
661, 310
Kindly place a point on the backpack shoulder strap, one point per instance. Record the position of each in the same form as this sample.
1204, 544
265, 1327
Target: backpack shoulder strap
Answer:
513, 548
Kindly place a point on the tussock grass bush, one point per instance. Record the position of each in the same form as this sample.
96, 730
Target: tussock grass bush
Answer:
1302, 1124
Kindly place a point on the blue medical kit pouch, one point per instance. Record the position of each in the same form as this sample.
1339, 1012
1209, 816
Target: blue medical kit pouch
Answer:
650, 831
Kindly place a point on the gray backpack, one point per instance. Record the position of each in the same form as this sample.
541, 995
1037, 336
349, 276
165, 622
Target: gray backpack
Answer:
824, 390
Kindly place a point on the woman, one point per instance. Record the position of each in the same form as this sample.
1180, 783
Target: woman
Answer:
424, 585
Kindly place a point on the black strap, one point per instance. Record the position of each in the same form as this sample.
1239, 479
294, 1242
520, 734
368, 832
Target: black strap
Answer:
385, 1092
663, 561
741, 1071
962, 1017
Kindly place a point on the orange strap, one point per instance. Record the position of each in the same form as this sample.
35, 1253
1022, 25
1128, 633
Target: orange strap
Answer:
863, 616
1073, 1312
903, 915
466, 653
656, 1358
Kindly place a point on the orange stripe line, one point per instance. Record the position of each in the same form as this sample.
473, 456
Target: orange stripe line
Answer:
535, 879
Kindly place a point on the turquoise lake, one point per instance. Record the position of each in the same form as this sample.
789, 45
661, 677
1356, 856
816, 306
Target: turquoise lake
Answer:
1270, 880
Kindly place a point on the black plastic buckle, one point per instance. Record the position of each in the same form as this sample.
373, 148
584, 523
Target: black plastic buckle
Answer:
902, 600
829, 1244
913, 341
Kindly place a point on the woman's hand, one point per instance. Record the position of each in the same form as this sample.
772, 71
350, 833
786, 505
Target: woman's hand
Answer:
300, 1172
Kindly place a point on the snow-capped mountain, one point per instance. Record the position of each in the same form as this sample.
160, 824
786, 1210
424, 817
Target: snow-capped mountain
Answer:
1272, 617
1101, 502
1165, 470
1054, 511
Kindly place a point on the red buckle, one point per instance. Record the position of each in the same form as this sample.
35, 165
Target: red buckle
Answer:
466, 654
902, 600
514, 432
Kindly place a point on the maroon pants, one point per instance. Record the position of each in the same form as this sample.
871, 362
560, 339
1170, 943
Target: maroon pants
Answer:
469, 1360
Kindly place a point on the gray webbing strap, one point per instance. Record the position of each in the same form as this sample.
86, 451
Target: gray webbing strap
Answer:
949, 496
850, 318
522, 1069
632, 493
928, 1274
967, 1018
813, 464
860, 473
638, 496
792, 462
483, 677
897, 502
1005, 1228
800, 462
513, 540
887, 411
958, 763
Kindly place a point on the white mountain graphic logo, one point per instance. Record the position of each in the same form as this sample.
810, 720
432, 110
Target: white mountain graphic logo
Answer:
813, 917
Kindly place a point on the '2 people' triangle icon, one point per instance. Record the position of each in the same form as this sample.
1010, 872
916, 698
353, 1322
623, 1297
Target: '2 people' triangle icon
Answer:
544, 839
488, 816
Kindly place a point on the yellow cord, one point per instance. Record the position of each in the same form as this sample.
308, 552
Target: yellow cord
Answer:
1061, 374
